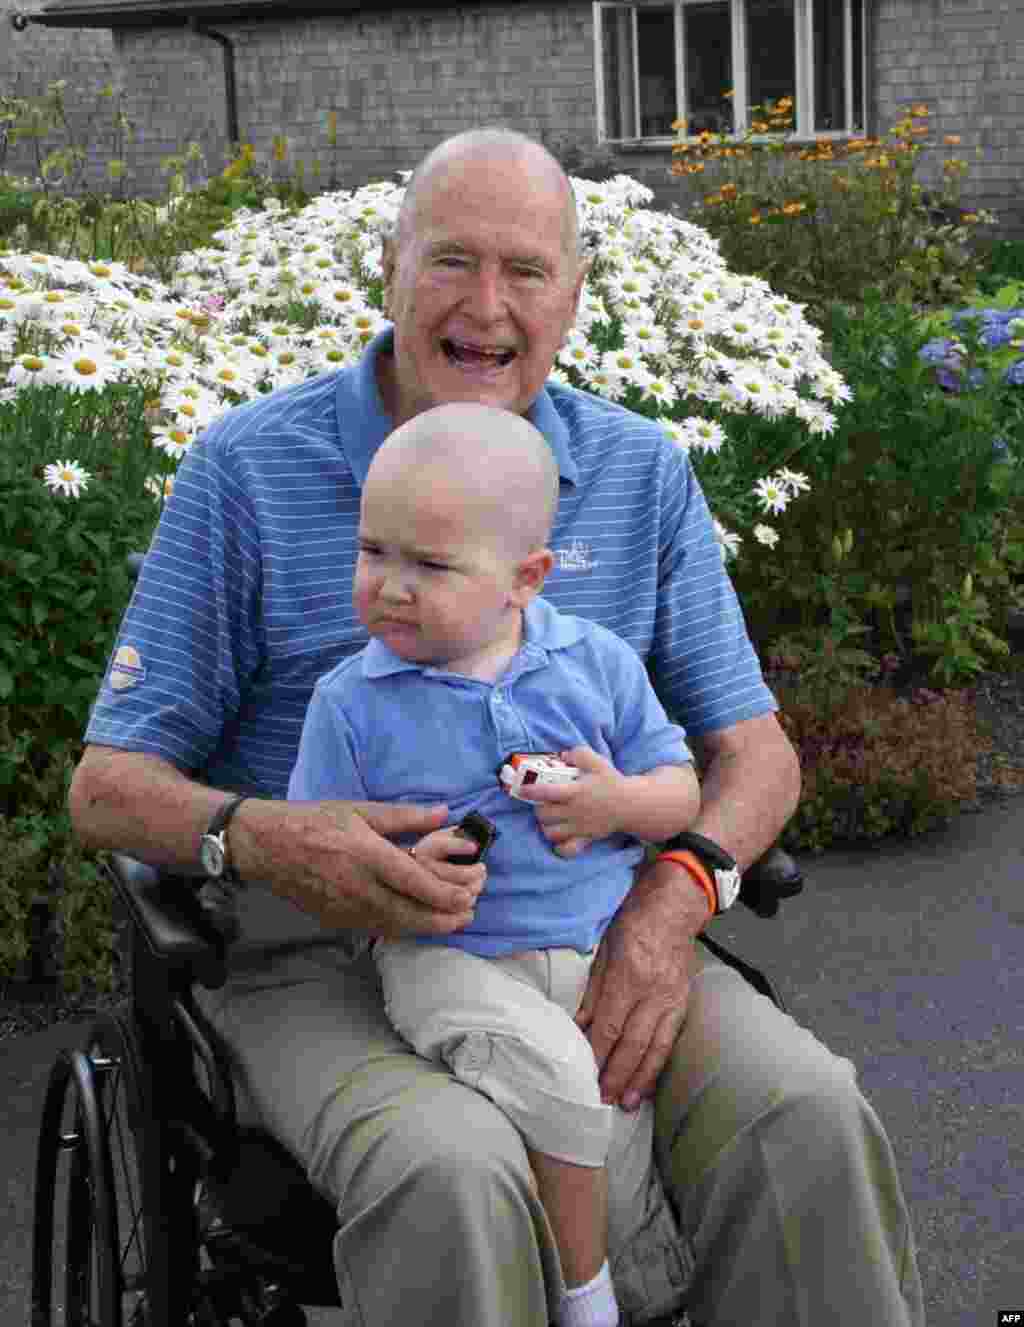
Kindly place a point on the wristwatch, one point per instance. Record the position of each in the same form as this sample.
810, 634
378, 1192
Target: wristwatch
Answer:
213, 846
716, 861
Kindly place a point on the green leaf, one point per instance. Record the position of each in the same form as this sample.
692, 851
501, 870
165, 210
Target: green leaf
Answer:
6, 683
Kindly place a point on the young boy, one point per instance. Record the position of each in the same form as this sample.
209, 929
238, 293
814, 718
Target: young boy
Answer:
466, 666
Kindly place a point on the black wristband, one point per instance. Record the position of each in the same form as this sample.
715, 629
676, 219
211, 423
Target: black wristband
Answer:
720, 866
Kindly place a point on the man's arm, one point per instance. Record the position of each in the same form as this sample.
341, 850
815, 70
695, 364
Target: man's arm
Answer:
750, 787
328, 858
635, 1003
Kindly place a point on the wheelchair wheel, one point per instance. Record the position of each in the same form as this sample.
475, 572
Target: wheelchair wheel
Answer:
93, 1236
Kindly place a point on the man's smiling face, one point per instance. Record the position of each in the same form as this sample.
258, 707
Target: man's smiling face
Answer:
482, 285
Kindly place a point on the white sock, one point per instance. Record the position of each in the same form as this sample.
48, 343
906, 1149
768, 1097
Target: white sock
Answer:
591, 1305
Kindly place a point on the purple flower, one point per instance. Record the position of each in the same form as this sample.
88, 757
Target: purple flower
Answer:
1015, 374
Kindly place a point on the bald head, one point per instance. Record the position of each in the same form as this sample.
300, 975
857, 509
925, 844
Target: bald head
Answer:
492, 147
496, 460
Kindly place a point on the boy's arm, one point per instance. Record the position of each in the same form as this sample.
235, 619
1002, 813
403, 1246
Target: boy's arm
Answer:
602, 801
663, 802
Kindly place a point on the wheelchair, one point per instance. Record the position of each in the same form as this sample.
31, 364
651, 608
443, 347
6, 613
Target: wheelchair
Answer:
154, 1206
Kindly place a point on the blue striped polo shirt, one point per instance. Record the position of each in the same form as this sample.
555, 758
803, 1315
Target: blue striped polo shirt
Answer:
245, 598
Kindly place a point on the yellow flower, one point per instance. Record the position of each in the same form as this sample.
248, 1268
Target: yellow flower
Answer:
793, 209
755, 218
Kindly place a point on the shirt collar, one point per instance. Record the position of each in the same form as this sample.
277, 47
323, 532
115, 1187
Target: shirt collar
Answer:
544, 629
364, 423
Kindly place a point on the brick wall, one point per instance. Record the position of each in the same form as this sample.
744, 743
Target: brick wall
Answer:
965, 60
31, 59
399, 82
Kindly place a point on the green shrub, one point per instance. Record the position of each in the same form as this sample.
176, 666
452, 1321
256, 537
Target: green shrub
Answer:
62, 558
54, 899
878, 764
911, 538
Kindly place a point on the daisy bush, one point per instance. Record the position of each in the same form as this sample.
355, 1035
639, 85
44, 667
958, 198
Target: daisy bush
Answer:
665, 328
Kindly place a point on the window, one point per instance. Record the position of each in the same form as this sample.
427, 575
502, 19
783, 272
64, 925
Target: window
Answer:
657, 63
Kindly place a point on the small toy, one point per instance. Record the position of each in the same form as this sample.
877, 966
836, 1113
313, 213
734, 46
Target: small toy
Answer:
482, 831
523, 768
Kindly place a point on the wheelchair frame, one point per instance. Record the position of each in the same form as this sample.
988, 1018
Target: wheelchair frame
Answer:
173, 1214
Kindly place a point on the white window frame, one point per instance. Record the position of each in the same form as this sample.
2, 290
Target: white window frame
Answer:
803, 37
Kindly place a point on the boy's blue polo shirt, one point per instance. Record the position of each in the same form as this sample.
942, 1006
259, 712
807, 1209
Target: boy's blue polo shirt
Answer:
245, 598
383, 729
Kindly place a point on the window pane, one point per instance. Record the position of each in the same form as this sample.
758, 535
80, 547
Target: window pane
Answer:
707, 39
829, 65
655, 35
771, 52
617, 59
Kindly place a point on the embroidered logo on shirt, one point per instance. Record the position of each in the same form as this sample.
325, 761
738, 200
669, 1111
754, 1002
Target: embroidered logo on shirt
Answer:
575, 557
127, 669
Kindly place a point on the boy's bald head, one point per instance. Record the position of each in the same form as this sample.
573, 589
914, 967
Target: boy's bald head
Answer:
500, 461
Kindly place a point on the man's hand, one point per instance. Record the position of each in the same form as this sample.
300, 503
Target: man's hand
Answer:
333, 860
636, 998
572, 815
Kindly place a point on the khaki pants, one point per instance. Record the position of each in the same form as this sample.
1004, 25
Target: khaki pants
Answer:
790, 1212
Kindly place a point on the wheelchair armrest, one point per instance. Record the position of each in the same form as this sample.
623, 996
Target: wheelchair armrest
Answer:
169, 916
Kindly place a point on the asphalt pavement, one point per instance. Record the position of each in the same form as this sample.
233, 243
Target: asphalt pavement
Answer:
906, 957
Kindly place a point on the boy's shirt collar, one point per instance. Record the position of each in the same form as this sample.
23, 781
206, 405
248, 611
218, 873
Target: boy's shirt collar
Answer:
364, 423
544, 630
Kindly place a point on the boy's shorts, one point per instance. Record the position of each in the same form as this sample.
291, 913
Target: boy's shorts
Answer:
505, 1027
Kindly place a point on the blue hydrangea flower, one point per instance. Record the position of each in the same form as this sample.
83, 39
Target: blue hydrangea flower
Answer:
1015, 374
935, 352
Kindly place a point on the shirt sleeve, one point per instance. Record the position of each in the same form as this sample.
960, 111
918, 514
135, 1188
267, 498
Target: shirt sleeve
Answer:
327, 765
192, 634
644, 736
702, 661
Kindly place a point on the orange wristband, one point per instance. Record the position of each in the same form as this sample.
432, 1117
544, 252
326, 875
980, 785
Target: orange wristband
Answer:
697, 871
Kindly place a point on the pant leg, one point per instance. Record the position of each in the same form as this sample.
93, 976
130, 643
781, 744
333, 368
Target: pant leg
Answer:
439, 1221
782, 1176
505, 1027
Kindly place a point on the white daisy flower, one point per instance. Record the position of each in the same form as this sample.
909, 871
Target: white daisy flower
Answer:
705, 435
764, 534
173, 441
771, 494
728, 542
66, 477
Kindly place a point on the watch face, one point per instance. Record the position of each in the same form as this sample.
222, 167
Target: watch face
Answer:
728, 885
211, 855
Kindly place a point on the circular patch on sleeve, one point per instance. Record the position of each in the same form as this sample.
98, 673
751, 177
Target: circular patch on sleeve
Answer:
126, 669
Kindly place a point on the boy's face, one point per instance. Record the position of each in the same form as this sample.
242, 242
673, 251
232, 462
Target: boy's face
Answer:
432, 582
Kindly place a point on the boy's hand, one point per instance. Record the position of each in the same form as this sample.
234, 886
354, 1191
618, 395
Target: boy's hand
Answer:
433, 851
572, 815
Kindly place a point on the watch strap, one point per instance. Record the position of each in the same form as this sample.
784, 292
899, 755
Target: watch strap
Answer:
218, 828
720, 866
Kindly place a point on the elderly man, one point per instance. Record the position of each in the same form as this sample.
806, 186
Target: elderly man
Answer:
784, 1202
